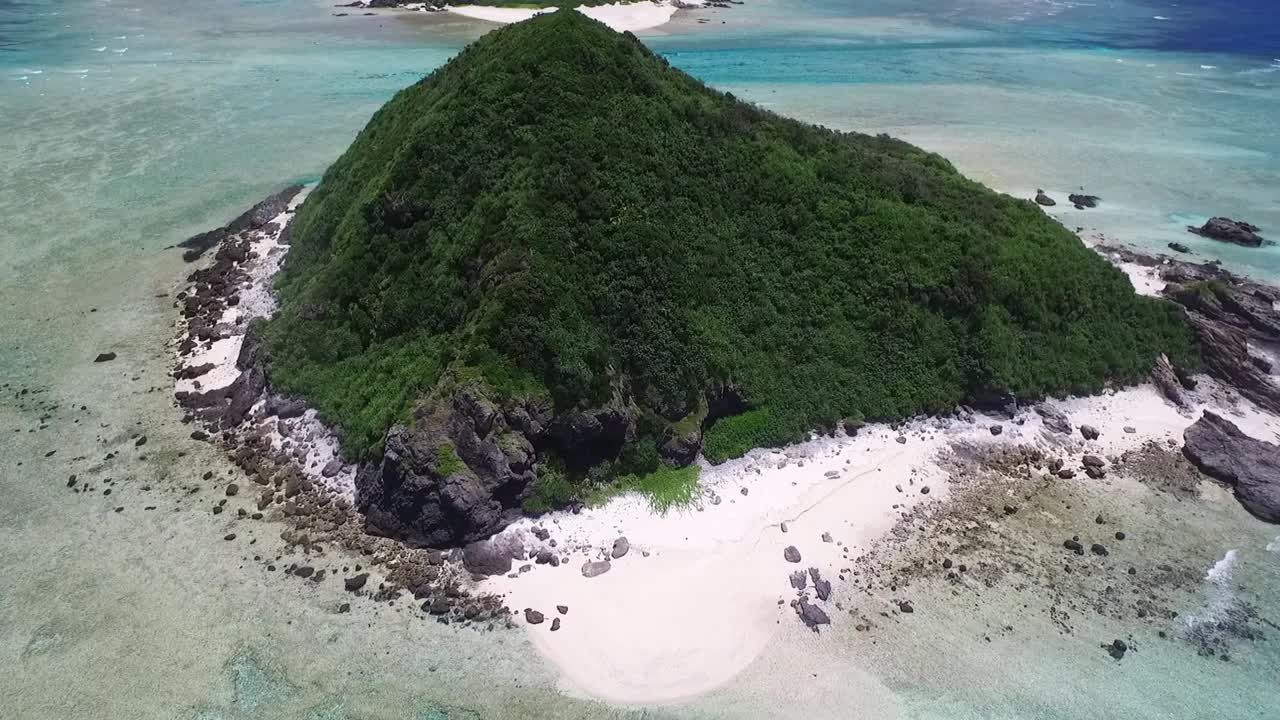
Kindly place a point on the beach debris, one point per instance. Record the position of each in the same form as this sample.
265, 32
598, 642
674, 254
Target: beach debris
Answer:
1089, 432
595, 567
621, 547
791, 554
533, 617
105, 357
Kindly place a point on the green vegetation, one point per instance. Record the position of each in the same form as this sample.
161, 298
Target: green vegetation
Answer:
665, 487
447, 460
558, 213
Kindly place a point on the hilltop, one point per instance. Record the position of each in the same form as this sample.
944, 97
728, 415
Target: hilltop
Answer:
557, 263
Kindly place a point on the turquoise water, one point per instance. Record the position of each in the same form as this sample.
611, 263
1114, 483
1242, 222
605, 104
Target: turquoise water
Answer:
126, 126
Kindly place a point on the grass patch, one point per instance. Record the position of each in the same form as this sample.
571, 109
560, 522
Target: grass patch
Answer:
447, 461
665, 488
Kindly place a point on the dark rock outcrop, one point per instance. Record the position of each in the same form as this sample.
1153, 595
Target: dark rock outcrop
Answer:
1252, 467
1225, 350
1054, 419
459, 476
256, 217
1166, 381
1045, 200
1082, 201
1224, 229
1179, 247
811, 615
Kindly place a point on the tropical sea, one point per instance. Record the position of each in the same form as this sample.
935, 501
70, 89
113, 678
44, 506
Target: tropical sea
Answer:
129, 125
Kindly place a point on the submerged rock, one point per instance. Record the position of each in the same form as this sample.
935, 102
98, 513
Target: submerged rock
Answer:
1252, 467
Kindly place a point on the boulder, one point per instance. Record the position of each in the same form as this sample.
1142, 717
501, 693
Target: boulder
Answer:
1045, 200
1250, 466
791, 554
620, 547
1088, 432
799, 580
811, 615
1224, 229
1082, 201
596, 567
487, 557
1054, 419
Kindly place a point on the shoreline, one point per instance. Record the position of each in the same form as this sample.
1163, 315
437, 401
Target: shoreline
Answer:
698, 593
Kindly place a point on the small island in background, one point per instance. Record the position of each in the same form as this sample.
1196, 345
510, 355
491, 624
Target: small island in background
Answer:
621, 15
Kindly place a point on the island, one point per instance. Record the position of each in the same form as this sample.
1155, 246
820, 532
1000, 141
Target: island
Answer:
570, 342
558, 265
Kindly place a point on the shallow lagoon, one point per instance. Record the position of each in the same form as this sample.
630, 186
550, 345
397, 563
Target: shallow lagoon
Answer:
192, 111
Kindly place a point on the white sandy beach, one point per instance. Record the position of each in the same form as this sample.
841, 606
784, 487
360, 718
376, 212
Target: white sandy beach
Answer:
619, 16
713, 590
